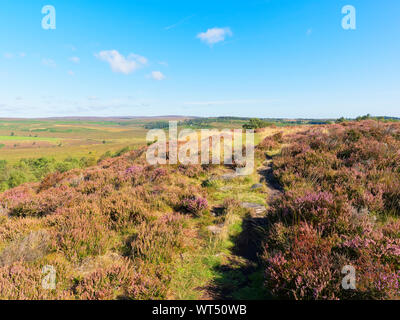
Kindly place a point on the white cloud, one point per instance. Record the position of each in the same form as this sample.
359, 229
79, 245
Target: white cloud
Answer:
10, 55
157, 75
215, 35
49, 63
139, 58
71, 73
309, 32
119, 63
75, 59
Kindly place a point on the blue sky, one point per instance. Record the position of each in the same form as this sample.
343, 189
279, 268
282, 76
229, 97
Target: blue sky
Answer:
271, 58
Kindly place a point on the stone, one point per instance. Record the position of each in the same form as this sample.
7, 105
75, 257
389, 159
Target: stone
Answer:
229, 176
257, 208
28, 249
256, 186
225, 177
215, 230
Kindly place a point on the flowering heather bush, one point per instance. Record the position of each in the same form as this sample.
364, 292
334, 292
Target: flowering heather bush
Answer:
21, 281
14, 197
122, 206
191, 171
43, 203
270, 143
340, 207
159, 174
195, 205
120, 280
134, 170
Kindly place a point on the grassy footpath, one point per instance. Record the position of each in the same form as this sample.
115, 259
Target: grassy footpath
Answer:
214, 271
214, 267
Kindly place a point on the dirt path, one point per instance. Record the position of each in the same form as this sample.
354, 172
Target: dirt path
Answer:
267, 177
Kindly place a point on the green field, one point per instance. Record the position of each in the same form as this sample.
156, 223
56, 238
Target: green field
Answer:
11, 138
62, 138
31, 149
59, 139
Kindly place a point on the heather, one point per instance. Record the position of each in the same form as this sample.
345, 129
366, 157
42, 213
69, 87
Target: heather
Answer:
111, 231
329, 197
340, 206
123, 229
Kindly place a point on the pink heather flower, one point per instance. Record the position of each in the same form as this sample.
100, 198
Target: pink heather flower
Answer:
133, 170
195, 204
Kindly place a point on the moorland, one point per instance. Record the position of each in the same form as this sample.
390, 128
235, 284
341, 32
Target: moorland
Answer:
323, 196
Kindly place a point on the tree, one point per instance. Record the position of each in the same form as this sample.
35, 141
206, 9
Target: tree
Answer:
256, 123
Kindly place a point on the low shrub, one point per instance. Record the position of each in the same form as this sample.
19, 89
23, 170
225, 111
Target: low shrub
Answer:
195, 205
340, 207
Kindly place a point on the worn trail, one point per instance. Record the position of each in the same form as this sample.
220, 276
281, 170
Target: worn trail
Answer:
242, 274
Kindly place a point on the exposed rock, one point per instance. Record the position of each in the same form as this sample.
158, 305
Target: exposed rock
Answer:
257, 208
90, 264
245, 171
256, 186
229, 176
215, 229
224, 177
33, 247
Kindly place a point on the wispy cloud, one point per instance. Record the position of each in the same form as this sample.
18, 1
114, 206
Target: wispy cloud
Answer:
49, 63
74, 59
179, 22
10, 55
121, 64
157, 75
215, 35
70, 47
71, 73
309, 32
